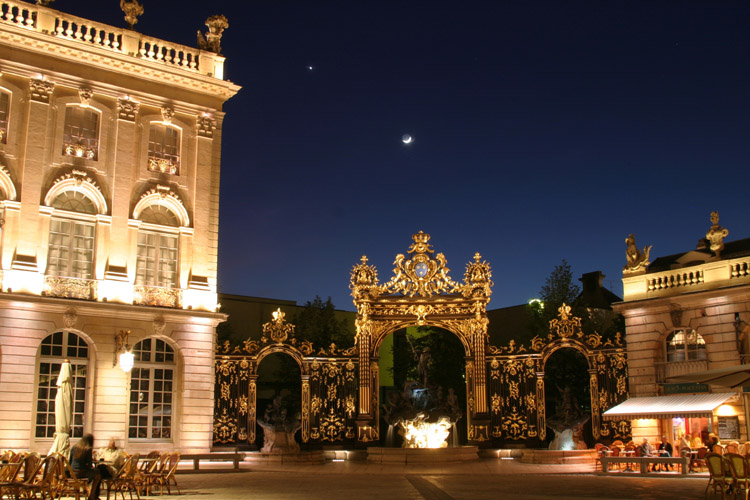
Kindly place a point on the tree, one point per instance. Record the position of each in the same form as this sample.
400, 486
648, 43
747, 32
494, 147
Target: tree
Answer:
558, 288
318, 323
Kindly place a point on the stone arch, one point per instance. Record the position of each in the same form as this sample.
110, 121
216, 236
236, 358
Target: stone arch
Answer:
78, 181
422, 293
166, 197
7, 186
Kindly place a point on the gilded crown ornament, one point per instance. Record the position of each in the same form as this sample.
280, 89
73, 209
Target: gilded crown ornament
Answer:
278, 329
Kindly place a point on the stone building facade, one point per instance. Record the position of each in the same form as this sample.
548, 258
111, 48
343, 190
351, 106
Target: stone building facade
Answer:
110, 146
686, 314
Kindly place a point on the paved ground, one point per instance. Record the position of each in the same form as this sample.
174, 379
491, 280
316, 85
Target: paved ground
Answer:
483, 479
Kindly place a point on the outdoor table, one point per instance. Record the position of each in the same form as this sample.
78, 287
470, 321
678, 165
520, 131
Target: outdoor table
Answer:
628, 453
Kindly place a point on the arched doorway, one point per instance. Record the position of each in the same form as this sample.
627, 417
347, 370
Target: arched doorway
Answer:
278, 386
568, 394
431, 361
422, 293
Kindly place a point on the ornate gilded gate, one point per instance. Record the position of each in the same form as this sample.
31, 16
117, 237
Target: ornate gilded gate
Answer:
421, 292
516, 382
329, 387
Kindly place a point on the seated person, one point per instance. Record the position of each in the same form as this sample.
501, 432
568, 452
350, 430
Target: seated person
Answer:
81, 462
665, 450
715, 446
113, 455
646, 449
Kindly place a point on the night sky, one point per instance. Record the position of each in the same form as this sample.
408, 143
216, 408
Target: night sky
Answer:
543, 130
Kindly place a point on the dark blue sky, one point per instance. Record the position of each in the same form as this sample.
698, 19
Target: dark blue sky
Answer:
544, 130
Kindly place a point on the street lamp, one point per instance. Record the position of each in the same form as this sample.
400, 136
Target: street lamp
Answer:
127, 359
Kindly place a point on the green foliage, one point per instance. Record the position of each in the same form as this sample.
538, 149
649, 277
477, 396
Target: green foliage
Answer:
317, 322
447, 359
558, 288
279, 374
224, 331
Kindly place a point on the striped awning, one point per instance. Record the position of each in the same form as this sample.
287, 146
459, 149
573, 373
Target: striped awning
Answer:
681, 405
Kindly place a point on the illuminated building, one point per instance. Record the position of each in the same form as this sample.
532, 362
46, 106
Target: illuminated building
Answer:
110, 148
686, 314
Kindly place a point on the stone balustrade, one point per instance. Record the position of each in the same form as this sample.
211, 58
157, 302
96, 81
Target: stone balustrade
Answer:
675, 279
157, 296
669, 369
705, 276
123, 41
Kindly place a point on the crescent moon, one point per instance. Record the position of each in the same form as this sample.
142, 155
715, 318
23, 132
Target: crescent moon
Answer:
407, 139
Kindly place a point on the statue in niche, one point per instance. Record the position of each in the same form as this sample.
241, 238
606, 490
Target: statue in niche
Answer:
279, 429
424, 361
636, 260
567, 422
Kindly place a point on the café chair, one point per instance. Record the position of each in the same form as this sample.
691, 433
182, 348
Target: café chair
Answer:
737, 465
718, 478
67, 483
128, 479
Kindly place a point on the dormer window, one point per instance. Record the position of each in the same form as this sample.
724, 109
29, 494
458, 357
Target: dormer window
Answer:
164, 148
685, 345
81, 132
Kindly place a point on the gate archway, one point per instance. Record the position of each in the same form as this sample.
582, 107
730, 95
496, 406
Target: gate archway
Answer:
517, 387
421, 292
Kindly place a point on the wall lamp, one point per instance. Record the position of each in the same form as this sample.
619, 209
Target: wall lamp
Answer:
127, 359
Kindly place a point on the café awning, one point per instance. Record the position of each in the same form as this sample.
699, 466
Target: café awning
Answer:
682, 405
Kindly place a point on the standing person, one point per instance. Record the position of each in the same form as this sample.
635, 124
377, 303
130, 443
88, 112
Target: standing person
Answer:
81, 461
685, 446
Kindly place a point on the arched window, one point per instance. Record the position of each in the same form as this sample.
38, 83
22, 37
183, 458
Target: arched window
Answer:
71, 239
4, 116
151, 390
81, 132
53, 350
158, 252
164, 148
685, 345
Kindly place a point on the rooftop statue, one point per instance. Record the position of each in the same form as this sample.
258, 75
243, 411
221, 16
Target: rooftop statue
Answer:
716, 235
212, 41
636, 260
132, 10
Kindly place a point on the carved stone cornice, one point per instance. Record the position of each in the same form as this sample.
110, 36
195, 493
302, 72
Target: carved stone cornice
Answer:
206, 125
41, 90
127, 109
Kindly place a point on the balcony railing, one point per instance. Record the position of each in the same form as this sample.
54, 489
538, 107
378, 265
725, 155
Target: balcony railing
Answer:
157, 296
667, 370
46, 20
675, 279
70, 288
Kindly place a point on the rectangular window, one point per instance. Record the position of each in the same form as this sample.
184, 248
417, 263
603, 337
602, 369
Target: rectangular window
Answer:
71, 249
4, 116
81, 133
157, 260
163, 149
46, 392
151, 403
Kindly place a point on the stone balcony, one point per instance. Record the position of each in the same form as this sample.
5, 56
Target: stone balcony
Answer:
70, 288
120, 41
667, 370
705, 276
